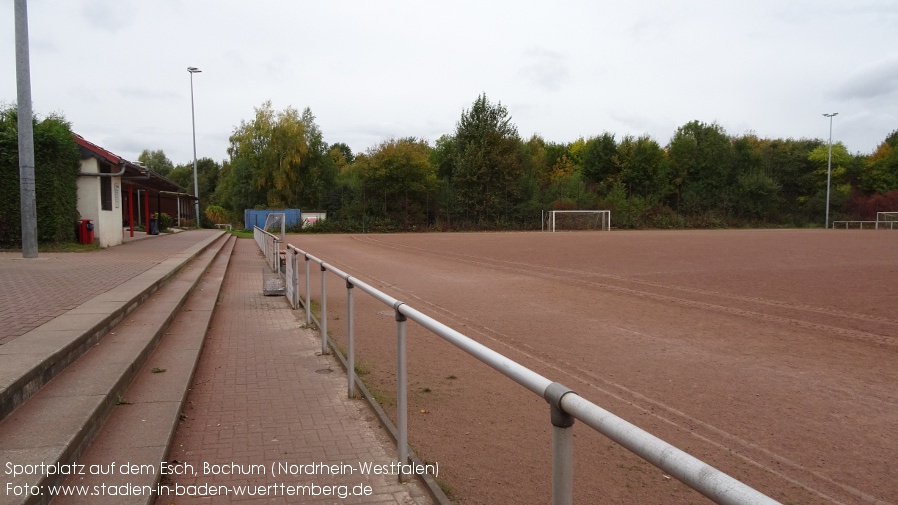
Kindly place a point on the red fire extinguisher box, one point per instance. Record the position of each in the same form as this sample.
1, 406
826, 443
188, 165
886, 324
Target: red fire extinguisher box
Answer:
85, 231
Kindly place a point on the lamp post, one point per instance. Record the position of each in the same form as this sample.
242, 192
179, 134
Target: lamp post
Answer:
196, 187
27, 192
829, 163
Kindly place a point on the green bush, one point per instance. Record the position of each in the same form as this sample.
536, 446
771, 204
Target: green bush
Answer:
165, 221
57, 163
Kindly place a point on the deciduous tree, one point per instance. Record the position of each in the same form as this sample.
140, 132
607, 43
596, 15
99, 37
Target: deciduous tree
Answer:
156, 161
271, 148
598, 159
399, 180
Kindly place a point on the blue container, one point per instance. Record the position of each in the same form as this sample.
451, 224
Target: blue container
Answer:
254, 217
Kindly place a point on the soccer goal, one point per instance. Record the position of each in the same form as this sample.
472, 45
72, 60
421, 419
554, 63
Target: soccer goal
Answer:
887, 220
564, 220
276, 222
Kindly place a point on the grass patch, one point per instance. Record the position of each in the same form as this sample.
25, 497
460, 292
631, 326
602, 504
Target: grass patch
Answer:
119, 400
383, 399
446, 488
242, 233
452, 377
362, 368
159, 370
425, 390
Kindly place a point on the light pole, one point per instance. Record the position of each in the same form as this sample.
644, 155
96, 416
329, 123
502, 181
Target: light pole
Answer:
829, 163
196, 187
27, 198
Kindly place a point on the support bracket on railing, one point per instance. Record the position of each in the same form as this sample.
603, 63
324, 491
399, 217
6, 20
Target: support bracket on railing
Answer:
562, 445
553, 394
400, 317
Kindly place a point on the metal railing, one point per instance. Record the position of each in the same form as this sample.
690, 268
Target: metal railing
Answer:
270, 246
871, 225
566, 406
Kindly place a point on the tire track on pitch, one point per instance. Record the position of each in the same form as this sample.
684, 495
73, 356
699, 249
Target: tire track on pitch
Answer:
602, 385
581, 278
679, 420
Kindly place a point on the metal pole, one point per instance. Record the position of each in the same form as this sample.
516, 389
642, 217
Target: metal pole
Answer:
294, 262
829, 164
562, 465
562, 445
26, 133
308, 294
196, 188
131, 208
323, 311
350, 351
401, 394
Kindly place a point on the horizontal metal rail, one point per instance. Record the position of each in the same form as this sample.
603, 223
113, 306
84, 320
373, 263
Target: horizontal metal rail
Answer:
270, 246
565, 404
860, 224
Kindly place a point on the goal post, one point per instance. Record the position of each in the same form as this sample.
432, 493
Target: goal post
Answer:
275, 223
565, 220
887, 220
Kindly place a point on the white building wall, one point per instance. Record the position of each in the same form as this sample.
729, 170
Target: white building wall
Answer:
107, 223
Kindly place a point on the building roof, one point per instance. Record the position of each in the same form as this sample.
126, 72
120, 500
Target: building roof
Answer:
134, 173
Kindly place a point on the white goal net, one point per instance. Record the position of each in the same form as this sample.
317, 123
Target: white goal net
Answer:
887, 220
276, 223
565, 220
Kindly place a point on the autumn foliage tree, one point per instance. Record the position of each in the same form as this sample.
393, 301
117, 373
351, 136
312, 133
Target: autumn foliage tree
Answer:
267, 153
398, 180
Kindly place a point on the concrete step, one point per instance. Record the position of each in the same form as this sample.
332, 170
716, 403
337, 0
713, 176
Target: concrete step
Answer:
32, 360
58, 421
138, 433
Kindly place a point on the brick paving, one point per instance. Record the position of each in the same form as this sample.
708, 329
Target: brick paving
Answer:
34, 291
261, 395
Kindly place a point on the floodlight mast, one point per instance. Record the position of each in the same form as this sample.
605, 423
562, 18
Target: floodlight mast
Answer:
27, 199
829, 163
196, 187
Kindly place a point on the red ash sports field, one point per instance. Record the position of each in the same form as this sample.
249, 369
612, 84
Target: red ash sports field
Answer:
769, 354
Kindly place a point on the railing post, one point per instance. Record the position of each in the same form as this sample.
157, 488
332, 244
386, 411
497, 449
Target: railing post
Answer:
291, 276
401, 393
277, 256
350, 353
562, 446
323, 320
308, 293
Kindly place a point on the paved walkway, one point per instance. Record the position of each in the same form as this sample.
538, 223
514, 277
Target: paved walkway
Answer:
34, 291
262, 395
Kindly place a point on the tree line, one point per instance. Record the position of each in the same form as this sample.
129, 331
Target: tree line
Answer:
485, 176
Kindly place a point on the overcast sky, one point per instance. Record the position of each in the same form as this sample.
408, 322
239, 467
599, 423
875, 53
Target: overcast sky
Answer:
372, 70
